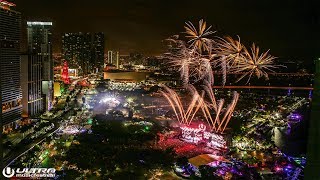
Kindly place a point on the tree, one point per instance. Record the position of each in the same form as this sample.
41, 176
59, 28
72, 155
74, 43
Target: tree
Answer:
85, 154
7, 144
182, 161
71, 174
75, 101
130, 115
56, 99
208, 172
24, 129
68, 99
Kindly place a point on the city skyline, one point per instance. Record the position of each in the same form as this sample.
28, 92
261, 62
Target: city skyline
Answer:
139, 26
208, 91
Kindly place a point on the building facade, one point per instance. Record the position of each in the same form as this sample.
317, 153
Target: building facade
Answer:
84, 51
113, 58
98, 51
10, 26
40, 44
33, 102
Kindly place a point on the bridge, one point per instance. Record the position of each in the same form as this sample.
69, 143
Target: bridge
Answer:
263, 87
270, 74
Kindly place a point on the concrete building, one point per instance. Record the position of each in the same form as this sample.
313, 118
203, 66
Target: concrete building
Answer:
98, 51
84, 51
126, 76
113, 58
33, 102
40, 44
10, 26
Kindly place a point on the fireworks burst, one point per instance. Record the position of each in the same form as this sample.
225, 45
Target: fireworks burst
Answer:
220, 121
197, 58
186, 113
230, 48
183, 115
254, 63
229, 51
189, 62
198, 38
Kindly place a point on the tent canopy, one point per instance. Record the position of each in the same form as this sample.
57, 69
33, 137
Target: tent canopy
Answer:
205, 159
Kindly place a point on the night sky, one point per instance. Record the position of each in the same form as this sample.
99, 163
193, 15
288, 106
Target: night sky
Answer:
290, 28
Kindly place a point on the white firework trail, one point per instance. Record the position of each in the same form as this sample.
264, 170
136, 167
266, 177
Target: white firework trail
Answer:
194, 61
183, 115
224, 69
212, 110
198, 38
230, 49
253, 63
227, 54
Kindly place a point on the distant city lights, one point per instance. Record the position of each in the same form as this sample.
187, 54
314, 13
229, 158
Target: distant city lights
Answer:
39, 23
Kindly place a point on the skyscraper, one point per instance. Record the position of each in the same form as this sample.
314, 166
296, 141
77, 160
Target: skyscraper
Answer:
110, 59
113, 58
98, 50
31, 82
39, 44
84, 51
10, 65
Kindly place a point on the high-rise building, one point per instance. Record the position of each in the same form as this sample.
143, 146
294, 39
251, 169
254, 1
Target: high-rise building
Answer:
84, 51
10, 26
113, 58
98, 51
76, 50
39, 44
110, 59
31, 82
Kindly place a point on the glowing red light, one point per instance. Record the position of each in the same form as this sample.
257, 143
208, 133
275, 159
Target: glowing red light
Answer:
65, 75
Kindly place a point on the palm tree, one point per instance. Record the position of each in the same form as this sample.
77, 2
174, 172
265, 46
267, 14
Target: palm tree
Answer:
68, 100
313, 149
24, 129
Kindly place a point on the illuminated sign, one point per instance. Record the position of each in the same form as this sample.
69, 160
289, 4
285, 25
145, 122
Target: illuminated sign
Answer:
196, 135
56, 87
40, 23
72, 72
10, 105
